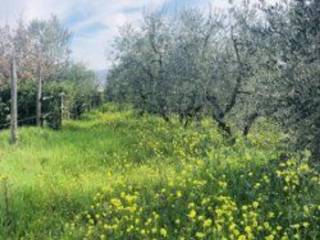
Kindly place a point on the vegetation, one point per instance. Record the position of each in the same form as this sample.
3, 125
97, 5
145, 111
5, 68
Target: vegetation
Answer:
115, 175
211, 129
45, 73
252, 61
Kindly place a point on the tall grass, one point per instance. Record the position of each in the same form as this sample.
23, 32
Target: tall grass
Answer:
112, 175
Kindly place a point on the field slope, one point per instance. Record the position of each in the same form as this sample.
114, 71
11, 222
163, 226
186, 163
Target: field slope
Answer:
113, 175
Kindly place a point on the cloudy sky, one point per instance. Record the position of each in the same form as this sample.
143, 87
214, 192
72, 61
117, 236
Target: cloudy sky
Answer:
94, 23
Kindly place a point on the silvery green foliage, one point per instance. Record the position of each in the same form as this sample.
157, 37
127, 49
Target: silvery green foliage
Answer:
291, 41
255, 60
188, 65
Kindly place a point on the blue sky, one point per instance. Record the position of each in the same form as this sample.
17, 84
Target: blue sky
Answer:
94, 23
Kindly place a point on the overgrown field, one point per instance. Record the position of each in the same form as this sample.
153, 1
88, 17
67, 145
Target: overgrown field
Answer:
113, 175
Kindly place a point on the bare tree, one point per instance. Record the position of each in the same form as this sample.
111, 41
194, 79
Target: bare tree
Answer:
49, 51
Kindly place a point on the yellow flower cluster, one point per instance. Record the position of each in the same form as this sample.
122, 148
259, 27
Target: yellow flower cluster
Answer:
227, 192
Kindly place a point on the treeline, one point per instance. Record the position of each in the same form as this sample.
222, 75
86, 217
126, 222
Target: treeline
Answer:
254, 60
50, 86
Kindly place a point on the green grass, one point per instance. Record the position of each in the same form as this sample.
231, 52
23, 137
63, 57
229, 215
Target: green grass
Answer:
51, 172
49, 181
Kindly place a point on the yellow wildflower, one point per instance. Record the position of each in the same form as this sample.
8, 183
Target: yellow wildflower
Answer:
207, 223
192, 214
163, 232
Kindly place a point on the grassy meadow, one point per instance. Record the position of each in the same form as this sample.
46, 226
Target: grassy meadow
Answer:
114, 175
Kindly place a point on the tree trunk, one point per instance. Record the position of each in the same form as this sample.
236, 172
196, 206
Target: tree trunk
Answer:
14, 106
39, 96
224, 127
250, 121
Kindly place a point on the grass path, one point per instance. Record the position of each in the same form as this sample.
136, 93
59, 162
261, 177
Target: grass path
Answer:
60, 170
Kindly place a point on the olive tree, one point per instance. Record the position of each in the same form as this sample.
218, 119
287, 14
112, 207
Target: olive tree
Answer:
290, 41
191, 65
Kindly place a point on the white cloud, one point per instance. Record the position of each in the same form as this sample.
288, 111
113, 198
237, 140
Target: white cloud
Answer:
94, 22
93, 50
87, 46
12, 10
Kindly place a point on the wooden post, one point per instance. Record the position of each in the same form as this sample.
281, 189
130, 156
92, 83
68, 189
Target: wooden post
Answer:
14, 106
62, 94
39, 95
61, 104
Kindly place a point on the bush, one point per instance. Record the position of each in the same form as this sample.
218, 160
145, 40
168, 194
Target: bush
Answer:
4, 109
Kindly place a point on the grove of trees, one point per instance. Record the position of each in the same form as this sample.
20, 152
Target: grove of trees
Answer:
254, 60
46, 77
